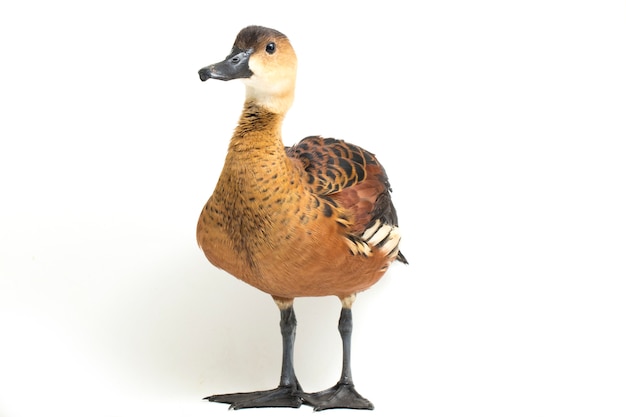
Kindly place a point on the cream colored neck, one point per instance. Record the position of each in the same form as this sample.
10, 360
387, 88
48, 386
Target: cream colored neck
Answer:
274, 103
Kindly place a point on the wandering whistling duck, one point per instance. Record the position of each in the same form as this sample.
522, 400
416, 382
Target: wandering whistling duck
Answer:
313, 219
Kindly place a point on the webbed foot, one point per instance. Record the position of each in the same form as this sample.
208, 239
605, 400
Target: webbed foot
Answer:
283, 396
340, 396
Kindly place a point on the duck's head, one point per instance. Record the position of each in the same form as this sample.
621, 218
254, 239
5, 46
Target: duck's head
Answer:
265, 61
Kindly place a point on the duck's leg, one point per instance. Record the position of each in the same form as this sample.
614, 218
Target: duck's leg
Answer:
287, 394
343, 394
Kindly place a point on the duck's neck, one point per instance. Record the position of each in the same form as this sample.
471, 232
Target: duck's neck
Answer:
259, 130
256, 152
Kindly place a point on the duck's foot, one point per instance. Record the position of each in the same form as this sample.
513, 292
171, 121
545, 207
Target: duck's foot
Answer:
277, 397
339, 396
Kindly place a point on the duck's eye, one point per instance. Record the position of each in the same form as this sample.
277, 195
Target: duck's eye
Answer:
270, 48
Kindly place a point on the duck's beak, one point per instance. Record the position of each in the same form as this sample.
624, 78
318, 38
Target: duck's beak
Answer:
234, 66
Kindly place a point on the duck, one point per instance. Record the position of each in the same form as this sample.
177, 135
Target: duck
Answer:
313, 219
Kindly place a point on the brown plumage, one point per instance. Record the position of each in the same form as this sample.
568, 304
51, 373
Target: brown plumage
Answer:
313, 219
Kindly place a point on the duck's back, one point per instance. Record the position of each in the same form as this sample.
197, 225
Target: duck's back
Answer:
349, 176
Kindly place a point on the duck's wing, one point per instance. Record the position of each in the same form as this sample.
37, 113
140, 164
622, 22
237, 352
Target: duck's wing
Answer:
351, 178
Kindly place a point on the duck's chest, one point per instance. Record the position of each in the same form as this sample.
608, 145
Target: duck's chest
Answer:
251, 215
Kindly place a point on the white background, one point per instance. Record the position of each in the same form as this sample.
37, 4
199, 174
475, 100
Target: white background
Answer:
502, 129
